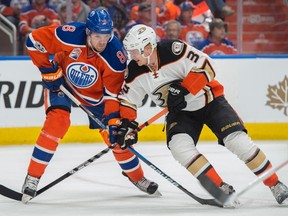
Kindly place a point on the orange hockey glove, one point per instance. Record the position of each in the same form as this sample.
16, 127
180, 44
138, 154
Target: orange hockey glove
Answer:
52, 77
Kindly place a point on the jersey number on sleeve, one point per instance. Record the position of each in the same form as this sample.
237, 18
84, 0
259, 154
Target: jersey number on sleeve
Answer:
193, 56
69, 28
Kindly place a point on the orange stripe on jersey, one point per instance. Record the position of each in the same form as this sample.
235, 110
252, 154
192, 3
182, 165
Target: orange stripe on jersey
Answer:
194, 82
217, 88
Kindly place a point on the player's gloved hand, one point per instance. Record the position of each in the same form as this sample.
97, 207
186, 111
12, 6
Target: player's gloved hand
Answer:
176, 97
125, 136
113, 125
52, 77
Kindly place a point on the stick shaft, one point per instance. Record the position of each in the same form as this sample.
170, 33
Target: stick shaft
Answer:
262, 177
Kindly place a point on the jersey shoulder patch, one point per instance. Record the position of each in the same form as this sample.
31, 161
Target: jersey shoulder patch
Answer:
170, 51
73, 34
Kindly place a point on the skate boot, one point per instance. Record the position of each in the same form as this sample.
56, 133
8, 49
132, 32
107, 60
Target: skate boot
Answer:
29, 188
146, 186
228, 189
280, 192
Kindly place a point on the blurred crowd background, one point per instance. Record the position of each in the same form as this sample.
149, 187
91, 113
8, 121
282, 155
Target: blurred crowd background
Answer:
217, 27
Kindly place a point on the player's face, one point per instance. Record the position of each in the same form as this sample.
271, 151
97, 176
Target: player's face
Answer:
99, 41
141, 59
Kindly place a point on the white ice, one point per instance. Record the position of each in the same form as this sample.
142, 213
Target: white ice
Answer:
100, 188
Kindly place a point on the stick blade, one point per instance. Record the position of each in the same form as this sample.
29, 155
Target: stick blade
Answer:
220, 196
10, 193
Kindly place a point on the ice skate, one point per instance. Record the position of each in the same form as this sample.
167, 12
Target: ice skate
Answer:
146, 186
29, 188
280, 192
228, 189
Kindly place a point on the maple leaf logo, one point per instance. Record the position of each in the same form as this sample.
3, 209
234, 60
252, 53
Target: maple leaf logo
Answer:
278, 96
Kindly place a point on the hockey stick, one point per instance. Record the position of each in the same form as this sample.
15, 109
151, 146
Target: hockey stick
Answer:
212, 202
198, 199
226, 199
259, 179
9, 193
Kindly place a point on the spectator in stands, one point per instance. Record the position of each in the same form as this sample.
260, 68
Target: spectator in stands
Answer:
56, 3
219, 8
167, 11
118, 14
63, 13
128, 4
36, 15
11, 9
216, 43
80, 11
93, 3
144, 14
172, 29
134, 9
191, 32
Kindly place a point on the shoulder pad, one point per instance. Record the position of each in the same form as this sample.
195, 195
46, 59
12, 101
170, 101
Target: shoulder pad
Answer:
171, 50
73, 34
114, 55
134, 71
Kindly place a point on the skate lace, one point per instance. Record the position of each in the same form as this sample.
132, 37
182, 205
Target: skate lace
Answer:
279, 190
143, 184
228, 189
31, 183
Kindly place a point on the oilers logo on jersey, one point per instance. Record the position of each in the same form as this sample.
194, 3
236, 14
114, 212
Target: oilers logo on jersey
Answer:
193, 37
81, 75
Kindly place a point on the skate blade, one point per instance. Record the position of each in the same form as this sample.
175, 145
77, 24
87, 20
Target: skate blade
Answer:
26, 198
232, 202
156, 193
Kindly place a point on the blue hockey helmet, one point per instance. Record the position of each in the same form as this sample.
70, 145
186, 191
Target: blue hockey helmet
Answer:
99, 21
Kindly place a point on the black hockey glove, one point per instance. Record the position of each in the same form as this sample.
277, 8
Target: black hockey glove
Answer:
125, 138
176, 97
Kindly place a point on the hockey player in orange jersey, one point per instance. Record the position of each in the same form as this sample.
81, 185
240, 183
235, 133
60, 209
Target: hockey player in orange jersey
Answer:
90, 62
182, 78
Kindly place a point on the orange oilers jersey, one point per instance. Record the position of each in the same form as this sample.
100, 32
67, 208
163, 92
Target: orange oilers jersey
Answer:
92, 77
193, 34
226, 47
30, 12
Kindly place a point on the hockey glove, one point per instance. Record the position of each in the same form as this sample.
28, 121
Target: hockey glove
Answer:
176, 97
52, 77
125, 136
113, 125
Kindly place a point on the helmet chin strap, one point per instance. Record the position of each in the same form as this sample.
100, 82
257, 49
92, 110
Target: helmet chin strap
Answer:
148, 57
90, 44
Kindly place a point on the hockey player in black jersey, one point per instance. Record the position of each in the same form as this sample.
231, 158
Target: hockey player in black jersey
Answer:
177, 75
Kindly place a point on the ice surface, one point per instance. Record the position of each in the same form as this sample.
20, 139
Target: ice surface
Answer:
100, 188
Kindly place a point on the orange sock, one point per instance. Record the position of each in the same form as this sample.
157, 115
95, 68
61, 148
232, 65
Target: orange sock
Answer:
128, 162
213, 175
55, 127
201, 166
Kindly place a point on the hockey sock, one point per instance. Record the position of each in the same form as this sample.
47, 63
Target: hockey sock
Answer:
259, 164
128, 162
200, 166
55, 127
